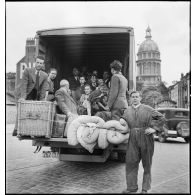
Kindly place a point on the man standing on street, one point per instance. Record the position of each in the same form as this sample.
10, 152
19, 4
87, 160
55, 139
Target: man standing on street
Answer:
143, 121
33, 86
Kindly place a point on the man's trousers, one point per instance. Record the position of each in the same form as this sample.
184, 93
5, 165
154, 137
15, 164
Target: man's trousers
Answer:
140, 147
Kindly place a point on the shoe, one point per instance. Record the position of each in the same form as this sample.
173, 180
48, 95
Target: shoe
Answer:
14, 133
128, 192
144, 192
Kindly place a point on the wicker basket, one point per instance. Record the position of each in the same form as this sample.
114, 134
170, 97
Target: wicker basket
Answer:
35, 118
59, 125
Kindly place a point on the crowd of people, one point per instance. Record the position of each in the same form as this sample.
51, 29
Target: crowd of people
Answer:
86, 93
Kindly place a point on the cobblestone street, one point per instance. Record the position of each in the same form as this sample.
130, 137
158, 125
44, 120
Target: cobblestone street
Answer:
27, 172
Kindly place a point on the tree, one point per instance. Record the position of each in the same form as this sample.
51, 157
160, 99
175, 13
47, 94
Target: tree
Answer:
151, 98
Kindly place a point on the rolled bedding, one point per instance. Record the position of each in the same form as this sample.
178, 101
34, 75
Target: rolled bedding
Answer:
115, 137
79, 121
120, 126
80, 138
102, 139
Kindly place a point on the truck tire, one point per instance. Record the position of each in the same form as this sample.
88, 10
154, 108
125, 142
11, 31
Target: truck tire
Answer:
121, 156
161, 137
187, 139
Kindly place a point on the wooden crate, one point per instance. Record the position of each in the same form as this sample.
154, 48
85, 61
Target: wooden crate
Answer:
35, 118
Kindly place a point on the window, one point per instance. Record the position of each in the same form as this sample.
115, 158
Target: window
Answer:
181, 113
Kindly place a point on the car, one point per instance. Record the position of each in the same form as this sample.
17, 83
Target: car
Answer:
177, 124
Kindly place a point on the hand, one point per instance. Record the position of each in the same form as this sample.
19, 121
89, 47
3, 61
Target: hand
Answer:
21, 99
69, 114
149, 131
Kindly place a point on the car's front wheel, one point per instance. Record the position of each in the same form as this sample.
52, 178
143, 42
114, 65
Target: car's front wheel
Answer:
161, 137
187, 139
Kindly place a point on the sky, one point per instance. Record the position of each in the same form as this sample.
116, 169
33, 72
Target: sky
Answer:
169, 23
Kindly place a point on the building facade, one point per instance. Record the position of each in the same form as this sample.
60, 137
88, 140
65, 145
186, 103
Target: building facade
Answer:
180, 91
148, 62
27, 61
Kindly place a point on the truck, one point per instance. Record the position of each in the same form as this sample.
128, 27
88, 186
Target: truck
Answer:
94, 47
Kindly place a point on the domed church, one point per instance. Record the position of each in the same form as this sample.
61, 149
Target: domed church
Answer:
148, 62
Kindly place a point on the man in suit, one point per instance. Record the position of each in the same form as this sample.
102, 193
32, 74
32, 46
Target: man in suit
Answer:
74, 82
65, 102
117, 101
34, 85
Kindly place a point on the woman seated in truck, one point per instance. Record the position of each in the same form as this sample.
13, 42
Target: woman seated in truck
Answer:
93, 82
98, 99
84, 107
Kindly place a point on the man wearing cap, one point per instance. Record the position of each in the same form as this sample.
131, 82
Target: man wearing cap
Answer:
143, 122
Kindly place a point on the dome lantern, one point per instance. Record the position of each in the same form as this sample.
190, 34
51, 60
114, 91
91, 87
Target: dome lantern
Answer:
148, 33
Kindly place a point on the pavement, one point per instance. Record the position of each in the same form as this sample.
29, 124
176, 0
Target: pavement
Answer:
27, 172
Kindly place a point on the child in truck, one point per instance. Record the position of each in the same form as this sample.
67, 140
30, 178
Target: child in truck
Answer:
84, 107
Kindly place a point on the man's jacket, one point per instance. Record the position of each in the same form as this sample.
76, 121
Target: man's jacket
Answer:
65, 102
29, 82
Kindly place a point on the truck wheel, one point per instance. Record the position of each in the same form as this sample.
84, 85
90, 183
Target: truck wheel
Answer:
161, 138
187, 139
121, 156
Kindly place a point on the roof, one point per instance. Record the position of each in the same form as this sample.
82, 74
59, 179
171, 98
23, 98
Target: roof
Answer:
85, 30
167, 100
176, 109
148, 44
21, 60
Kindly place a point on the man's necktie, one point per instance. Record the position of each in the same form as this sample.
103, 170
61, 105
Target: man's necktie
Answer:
37, 85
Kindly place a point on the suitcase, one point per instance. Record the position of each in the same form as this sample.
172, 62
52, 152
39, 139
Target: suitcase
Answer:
59, 125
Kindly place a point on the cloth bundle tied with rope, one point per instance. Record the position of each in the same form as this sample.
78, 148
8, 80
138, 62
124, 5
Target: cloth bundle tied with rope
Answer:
92, 130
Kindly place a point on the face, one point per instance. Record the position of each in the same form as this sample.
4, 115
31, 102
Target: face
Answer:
95, 72
82, 80
105, 75
113, 71
52, 74
100, 82
135, 98
75, 72
93, 79
39, 64
67, 86
87, 90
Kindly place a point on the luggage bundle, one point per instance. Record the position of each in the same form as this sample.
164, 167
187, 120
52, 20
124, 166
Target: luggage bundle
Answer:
39, 119
35, 118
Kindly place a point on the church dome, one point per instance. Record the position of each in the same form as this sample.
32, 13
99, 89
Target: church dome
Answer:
148, 44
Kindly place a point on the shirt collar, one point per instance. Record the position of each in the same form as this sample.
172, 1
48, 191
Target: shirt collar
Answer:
136, 105
37, 71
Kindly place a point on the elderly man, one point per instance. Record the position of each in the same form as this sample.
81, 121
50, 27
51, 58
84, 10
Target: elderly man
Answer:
143, 121
65, 102
117, 101
33, 86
